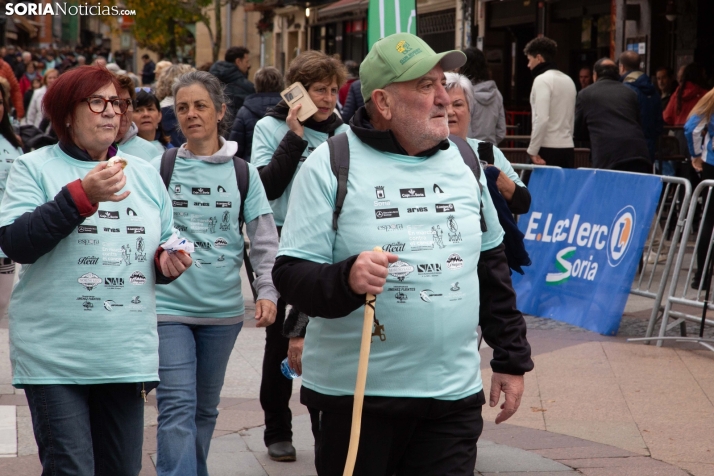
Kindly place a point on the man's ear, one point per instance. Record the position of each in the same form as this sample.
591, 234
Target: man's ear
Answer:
383, 102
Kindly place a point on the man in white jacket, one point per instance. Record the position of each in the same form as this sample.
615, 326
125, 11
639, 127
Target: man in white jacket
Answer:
553, 107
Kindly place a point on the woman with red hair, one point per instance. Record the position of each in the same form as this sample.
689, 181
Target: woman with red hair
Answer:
87, 225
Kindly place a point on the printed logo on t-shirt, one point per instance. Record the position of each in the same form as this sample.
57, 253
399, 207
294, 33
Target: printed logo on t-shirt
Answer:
180, 227
412, 192
454, 233
9, 161
426, 295
437, 189
421, 238
386, 213
400, 293
179, 203
88, 242
88, 260
111, 230
454, 261
417, 210
199, 262
382, 203
430, 269
444, 207
177, 189
393, 227
379, 190
226, 221
201, 204
200, 191
224, 204
203, 245
87, 229
89, 281
109, 215
135, 230
400, 269
130, 212
397, 247
109, 304
137, 278
113, 283
88, 306
220, 242
221, 189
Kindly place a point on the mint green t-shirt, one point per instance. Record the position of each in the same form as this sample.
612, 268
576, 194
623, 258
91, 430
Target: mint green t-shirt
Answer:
84, 313
494, 235
160, 149
268, 134
8, 154
427, 211
139, 147
206, 203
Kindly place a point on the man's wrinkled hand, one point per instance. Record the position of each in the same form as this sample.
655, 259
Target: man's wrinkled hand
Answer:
295, 353
265, 312
512, 386
538, 160
369, 272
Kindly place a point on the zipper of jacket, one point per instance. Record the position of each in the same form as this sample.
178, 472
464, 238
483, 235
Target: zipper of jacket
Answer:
143, 392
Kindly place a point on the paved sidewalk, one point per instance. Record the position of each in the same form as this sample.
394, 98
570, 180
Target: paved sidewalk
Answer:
593, 405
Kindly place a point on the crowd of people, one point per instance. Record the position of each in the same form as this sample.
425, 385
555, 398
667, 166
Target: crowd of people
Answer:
401, 153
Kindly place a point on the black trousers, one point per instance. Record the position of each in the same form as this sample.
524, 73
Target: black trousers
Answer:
706, 226
564, 158
275, 388
420, 437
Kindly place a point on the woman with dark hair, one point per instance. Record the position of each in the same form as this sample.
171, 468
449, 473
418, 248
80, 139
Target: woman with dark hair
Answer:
488, 118
128, 139
147, 118
10, 149
281, 144
687, 95
201, 315
82, 316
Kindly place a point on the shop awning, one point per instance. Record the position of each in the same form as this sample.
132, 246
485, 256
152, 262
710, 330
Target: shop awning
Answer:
343, 6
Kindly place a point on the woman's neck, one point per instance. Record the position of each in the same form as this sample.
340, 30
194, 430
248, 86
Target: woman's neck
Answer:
97, 155
204, 148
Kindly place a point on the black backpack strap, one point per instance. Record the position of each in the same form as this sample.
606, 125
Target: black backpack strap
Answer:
243, 179
339, 147
470, 159
485, 152
168, 161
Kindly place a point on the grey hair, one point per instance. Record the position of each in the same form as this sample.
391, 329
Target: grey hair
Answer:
454, 80
215, 91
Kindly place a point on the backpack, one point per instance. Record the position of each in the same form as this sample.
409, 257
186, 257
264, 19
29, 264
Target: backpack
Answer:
340, 163
168, 161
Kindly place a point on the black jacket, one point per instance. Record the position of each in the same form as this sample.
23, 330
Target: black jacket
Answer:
253, 110
276, 176
323, 290
353, 102
237, 85
607, 114
147, 73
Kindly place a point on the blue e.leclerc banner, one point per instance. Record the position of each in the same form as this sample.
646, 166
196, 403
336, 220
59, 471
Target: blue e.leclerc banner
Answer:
585, 233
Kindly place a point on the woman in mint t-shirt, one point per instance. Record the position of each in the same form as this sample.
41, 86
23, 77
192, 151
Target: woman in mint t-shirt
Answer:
201, 314
83, 340
9, 151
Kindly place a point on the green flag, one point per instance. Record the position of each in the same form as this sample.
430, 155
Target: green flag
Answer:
386, 17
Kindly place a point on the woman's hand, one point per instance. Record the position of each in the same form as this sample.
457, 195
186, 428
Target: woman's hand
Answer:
292, 120
506, 186
102, 183
265, 312
295, 353
174, 264
697, 163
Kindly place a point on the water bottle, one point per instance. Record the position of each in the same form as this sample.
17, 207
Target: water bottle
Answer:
287, 370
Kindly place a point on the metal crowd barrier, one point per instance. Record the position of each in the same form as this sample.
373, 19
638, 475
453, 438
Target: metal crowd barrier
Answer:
683, 295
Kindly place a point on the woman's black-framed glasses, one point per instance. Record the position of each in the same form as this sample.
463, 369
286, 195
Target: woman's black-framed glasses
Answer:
98, 104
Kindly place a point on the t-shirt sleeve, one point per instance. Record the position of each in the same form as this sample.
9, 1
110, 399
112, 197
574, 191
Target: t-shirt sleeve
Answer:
500, 161
256, 203
23, 193
264, 143
307, 232
156, 163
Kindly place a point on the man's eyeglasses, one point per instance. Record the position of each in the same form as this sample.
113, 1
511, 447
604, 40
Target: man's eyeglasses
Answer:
98, 104
145, 89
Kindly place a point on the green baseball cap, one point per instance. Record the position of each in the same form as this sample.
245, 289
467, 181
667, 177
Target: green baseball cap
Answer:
402, 57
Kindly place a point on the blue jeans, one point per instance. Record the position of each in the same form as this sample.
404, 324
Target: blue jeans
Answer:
192, 366
86, 430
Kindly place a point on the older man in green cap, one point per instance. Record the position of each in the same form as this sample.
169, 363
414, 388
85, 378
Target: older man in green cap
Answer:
395, 180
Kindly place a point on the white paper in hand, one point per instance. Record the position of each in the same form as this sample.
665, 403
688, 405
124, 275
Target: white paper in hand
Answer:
176, 243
